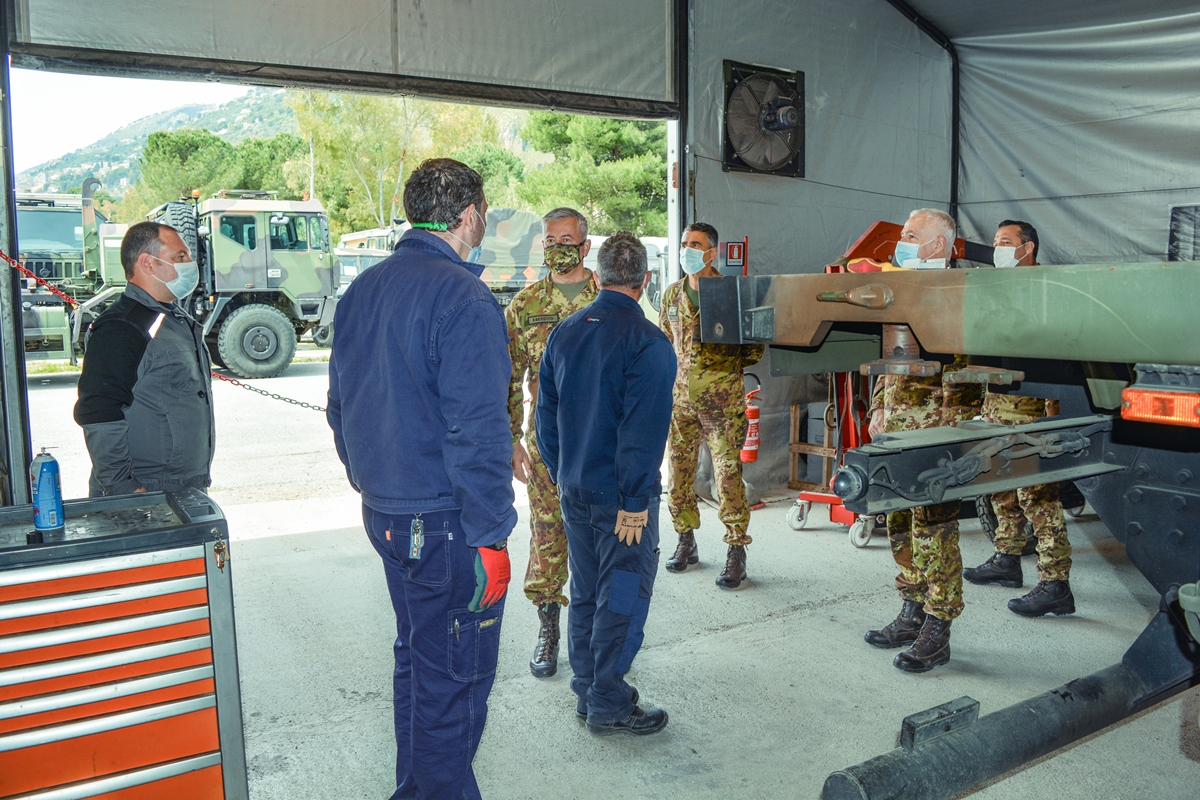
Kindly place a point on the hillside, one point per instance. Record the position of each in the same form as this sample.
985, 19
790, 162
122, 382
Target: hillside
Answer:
114, 159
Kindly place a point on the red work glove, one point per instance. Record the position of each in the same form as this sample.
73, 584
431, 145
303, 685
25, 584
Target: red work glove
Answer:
492, 574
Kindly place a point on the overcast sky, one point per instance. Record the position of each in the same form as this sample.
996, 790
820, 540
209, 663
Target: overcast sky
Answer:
54, 113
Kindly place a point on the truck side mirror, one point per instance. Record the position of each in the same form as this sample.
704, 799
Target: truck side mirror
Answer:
203, 231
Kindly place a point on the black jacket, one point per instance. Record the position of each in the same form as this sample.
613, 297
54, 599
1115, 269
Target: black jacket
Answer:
145, 398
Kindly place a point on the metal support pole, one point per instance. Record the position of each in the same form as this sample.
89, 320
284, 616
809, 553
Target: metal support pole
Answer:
14, 395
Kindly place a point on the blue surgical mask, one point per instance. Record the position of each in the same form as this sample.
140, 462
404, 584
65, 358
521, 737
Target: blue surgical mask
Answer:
904, 252
476, 251
187, 276
691, 259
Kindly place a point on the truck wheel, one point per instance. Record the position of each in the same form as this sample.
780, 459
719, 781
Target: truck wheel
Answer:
256, 341
323, 335
987, 521
182, 217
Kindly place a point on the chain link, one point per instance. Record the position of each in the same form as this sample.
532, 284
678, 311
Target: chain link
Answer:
41, 282
271, 395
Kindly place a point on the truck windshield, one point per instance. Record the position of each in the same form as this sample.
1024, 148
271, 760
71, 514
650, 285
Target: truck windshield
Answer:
49, 229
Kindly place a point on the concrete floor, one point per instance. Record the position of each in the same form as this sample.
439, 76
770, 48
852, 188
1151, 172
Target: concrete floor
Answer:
769, 688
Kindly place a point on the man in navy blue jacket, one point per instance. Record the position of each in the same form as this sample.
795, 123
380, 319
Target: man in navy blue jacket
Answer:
418, 403
603, 412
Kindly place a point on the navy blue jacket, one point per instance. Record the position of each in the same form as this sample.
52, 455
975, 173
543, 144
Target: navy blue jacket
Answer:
418, 389
604, 403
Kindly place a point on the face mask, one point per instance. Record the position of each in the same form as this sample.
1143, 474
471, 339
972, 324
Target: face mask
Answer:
562, 258
691, 259
907, 251
1004, 256
476, 252
187, 276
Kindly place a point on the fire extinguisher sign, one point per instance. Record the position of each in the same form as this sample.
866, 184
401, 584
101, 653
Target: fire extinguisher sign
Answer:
735, 254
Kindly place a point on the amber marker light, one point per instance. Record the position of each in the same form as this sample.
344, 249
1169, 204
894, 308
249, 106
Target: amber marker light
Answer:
1161, 406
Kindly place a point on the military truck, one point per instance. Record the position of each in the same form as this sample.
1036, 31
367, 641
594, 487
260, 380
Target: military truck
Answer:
63, 241
512, 255
267, 274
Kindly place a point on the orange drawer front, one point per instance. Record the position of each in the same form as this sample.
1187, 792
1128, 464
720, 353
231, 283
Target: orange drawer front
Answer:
111, 674
101, 580
95, 755
114, 706
166, 633
100, 613
203, 784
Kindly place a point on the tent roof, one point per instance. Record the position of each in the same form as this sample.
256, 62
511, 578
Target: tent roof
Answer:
963, 19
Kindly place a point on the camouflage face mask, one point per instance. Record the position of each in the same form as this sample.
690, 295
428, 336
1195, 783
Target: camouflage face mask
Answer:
562, 258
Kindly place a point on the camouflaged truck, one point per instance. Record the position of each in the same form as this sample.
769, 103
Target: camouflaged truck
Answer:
267, 275
65, 242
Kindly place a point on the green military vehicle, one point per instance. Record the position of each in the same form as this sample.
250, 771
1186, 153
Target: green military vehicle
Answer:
64, 242
267, 275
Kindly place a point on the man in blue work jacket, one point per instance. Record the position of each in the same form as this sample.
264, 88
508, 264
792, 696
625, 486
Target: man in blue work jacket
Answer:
418, 403
602, 418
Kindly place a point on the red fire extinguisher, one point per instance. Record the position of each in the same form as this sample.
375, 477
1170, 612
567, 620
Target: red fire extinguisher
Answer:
749, 452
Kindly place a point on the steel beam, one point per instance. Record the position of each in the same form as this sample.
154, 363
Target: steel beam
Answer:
916, 468
1121, 313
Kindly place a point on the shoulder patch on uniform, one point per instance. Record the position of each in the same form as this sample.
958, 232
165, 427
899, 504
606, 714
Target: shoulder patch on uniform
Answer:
541, 319
672, 313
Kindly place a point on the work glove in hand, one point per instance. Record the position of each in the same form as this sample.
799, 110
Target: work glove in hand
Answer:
492, 574
629, 526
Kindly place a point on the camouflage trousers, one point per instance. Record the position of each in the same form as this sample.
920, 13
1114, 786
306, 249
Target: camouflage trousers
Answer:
1041, 506
725, 435
547, 572
925, 546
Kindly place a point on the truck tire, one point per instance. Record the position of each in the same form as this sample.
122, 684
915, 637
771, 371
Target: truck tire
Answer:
323, 335
987, 521
182, 217
256, 341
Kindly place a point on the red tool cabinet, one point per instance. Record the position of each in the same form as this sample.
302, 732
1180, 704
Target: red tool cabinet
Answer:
118, 658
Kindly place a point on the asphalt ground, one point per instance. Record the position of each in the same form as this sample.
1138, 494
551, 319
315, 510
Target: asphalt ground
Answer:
769, 688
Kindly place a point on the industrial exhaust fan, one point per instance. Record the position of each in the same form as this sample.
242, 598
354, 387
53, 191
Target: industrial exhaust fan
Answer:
764, 120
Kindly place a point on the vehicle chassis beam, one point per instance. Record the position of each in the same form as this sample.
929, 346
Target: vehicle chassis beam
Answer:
1162, 662
916, 468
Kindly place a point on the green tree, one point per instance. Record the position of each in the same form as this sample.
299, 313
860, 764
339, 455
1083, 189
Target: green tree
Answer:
500, 169
364, 147
176, 163
612, 170
263, 161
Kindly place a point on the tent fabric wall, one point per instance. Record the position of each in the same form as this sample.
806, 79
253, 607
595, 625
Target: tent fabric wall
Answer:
1089, 133
619, 48
877, 117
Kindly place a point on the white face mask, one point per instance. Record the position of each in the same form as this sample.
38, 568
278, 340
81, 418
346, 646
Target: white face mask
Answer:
1003, 256
691, 259
187, 277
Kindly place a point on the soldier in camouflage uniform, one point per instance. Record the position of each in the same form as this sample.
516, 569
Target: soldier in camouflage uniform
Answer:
1016, 244
924, 540
709, 405
531, 316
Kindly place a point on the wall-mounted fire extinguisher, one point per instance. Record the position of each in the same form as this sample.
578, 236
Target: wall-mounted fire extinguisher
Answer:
749, 452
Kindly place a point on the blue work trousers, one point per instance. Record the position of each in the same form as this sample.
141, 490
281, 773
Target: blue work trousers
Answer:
445, 655
611, 584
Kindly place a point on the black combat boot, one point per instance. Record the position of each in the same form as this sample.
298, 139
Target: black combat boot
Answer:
686, 553
931, 648
735, 568
1048, 597
545, 656
900, 631
1000, 569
